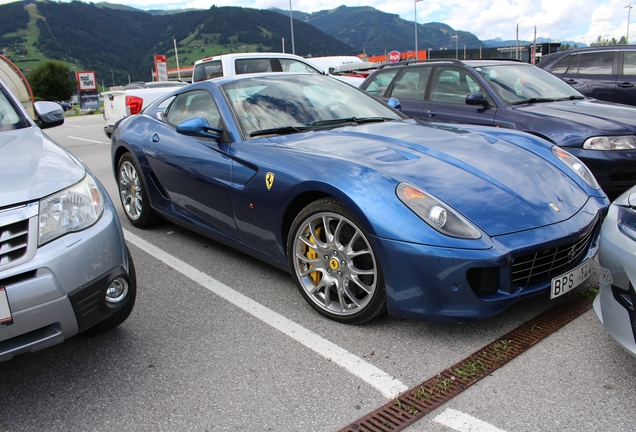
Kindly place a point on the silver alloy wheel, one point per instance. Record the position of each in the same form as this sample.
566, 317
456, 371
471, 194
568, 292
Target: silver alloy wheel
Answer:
130, 190
335, 264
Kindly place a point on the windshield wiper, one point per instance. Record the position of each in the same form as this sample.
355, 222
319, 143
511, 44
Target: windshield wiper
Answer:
571, 98
533, 100
347, 120
284, 130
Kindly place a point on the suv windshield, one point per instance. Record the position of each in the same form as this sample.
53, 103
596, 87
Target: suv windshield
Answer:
10, 116
518, 84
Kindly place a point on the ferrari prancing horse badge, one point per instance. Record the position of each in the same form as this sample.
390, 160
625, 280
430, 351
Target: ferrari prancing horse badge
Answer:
269, 180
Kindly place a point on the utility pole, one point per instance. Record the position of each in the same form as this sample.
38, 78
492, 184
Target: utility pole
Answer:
629, 10
416, 53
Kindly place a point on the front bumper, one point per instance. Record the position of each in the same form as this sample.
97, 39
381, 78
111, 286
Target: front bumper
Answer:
614, 305
44, 292
434, 283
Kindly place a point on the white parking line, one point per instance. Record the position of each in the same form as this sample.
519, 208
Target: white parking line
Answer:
384, 383
461, 422
84, 139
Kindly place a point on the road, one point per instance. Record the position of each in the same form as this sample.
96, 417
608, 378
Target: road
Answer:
220, 341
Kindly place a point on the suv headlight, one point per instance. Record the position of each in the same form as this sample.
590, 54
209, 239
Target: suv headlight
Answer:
577, 166
625, 142
72, 209
626, 216
437, 214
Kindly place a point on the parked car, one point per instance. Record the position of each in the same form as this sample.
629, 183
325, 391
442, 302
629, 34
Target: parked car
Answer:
614, 306
606, 73
243, 63
367, 209
516, 95
64, 266
130, 99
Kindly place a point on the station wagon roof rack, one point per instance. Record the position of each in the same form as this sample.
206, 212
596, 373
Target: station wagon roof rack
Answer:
410, 62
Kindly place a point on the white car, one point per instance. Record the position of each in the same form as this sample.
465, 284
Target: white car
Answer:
614, 306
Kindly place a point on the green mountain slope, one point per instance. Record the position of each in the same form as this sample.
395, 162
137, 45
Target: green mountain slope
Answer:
124, 41
378, 32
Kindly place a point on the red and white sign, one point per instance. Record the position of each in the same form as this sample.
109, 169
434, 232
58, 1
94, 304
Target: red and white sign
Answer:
86, 80
395, 56
161, 66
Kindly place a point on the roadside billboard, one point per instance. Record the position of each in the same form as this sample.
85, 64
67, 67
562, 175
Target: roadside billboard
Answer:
87, 86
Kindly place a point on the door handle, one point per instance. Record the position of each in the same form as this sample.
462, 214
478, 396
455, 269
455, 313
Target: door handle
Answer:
626, 85
155, 138
431, 114
571, 81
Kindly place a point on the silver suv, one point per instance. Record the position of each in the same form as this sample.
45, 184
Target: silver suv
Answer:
64, 265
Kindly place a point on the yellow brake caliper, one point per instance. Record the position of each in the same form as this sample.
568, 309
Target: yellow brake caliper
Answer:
313, 255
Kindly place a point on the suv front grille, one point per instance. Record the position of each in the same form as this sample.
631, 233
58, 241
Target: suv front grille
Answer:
18, 235
546, 264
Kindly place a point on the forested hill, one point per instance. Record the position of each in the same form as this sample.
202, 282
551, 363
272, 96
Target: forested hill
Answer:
375, 31
124, 41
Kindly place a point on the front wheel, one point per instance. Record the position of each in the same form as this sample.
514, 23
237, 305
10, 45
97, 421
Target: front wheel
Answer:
334, 265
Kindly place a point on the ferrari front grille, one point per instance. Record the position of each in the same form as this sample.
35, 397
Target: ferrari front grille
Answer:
541, 266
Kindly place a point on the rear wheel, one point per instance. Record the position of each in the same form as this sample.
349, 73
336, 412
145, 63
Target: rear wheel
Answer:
334, 265
132, 193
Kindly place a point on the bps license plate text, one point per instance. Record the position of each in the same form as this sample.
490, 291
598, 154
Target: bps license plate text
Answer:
570, 280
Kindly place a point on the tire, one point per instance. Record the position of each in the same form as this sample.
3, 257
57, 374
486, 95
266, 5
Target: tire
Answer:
338, 277
133, 194
124, 311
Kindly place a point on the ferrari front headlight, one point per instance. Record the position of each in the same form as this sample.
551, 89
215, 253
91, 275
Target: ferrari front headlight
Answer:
577, 166
437, 214
625, 142
73, 209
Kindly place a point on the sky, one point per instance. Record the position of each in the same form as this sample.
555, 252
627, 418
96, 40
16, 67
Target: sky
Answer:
581, 21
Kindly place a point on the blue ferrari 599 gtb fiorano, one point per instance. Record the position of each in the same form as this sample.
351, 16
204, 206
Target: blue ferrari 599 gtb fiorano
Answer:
369, 210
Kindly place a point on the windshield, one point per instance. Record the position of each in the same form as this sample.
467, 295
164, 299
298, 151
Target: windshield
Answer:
521, 83
288, 104
10, 117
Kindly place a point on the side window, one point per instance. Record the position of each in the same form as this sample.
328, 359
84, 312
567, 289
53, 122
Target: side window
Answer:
206, 70
290, 65
629, 63
598, 63
197, 103
411, 84
380, 81
562, 65
451, 85
257, 65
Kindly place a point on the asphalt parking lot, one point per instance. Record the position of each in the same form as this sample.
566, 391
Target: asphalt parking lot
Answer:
221, 341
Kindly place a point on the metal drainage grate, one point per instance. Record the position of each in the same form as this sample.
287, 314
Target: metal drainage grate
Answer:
420, 400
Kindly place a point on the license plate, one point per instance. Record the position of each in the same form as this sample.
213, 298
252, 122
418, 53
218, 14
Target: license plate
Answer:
570, 280
5, 311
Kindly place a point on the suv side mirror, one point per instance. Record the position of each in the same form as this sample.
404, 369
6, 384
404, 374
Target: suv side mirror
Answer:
48, 114
477, 99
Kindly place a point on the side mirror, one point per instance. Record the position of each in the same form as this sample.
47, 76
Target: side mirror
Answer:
477, 99
199, 127
48, 114
394, 103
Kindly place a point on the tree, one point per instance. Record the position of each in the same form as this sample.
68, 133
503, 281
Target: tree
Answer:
52, 81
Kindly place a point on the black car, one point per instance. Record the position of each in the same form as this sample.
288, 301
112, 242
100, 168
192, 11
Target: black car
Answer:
606, 73
517, 95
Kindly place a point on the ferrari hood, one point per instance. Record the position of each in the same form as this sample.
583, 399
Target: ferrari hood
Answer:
500, 187
32, 167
